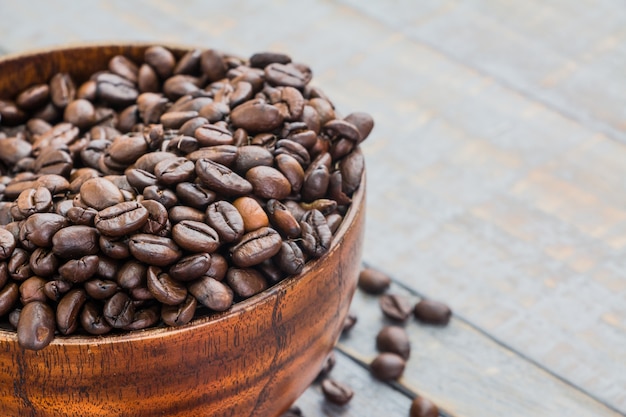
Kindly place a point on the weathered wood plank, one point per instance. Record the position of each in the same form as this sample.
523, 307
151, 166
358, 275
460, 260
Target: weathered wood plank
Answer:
371, 397
466, 373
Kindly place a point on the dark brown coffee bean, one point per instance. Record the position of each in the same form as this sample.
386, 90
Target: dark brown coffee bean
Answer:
75, 242
124, 67
191, 267
252, 156
351, 168
214, 112
349, 322
38, 229
56, 184
316, 181
92, 319
263, 59
62, 89
316, 236
363, 123
161, 59
373, 282
221, 154
154, 250
336, 392
253, 215
221, 179
256, 116
212, 293
121, 219
175, 119
34, 200
432, 312
212, 65
33, 97
119, 310
4, 274
182, 145
396, 307
218, 268
79, 270
144, 318
292, 170
268, 182
35, 328
132, 274
57, 162
126, 149
9, 296
195, 195
32, 290
195, 236
80, 113
394, 339
286, 75
179, 213
226, 220
18, 265
245, 282
164, 196
100, 289
423, 407
10, 114
179, 314
213, 135
56, 288
295, 150
188, 129
100, 193
165, 289
174, 171
68, 309
189, 63
290, 258
7, 244
335, 189
255, 247
147, 79
115, 90
272, 273
79, 215
387, 366
282, 219
114, 247
157, 217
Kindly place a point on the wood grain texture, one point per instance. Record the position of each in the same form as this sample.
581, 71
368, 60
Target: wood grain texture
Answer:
253, 360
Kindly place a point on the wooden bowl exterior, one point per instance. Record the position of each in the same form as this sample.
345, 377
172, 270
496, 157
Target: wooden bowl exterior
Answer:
253, 360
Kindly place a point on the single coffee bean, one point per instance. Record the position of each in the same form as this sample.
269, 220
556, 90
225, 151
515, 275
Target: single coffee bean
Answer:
38, 230
7, 244
18, 265
79, 215
423, 407
80, 113
33, 97
282, 219
165, 196
213, 65
432, 312
195, 195
285, 74
252, 156
213, 134
255, 247
92, 319
316, 236
121, 219
101, 289
268, 182
34, 200
179, 314
189, 63
253, 215
9, 296
55, 184
191, 267
14, 318
351, 168
115, 90
157, 217
124, 67
221, 179
164, 288
62, 89
245, 282
396, 307
373, 282
68, 309
100, 193
174, 171
226, 220
212, 293
35, 328
218, 268
154, 250
256, 116
195, 236
114, 247
336, 392
147, 79
293, 149
394, 339
56, 288
132, 274
290, 258
79, 270
387, 366
221, 154
263, 59
161, 59
119, 310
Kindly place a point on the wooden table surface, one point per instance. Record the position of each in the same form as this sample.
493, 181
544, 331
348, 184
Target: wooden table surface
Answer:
496, 178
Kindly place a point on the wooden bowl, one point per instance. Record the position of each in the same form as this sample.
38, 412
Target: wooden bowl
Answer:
253, 360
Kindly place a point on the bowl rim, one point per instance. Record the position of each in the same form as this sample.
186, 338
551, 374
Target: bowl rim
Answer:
356, 206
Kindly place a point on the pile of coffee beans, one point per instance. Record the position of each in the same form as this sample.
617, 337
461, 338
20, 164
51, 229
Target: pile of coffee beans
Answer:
161, 189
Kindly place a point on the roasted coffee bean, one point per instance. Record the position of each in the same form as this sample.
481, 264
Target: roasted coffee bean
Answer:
147, 79
10, 114
68, 309
191, 267
126, 149
121, 219
79, 215
79, 270
423, 407
214, 112
394, 339
387, 366
115, 90
56, 288
335, 189
295, 150
62, 89
286, 75
100, 289
164, 288
43, 263
100, 193
39, 229
226, 220
157, 217
144, 318
290, 258
14, 318
12, 150
268, 182
221, 154
18, 265
195, 195
174, 171
132, 274
195, 236
7, 244
256, 116
351, 168
212, 65
154, 250
218, 268
164, 196
124, 67
252, 156
263, 59
179, 314
34, 200
175, 119
316, 181
272, 273
161, 59
221, 179
282, 219
245, 282
316, 236
9, 295
396, 307
119, 310
253, 215
189, 63
255, 247
182, 145
336, 392
57, 162
187, 131
32, 290
212, 293
213, 135
432, 312
323, 205
292, 170
4, 274
33, 97
92, 319
114, 247
178, 214
373, 282
349, 322
107, 267
56, 184
35, 328
363, 123
80, 113
75, 242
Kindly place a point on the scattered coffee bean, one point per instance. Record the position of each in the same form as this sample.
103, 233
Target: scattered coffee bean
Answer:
423, 407
394, 339
387, 366
373, 282
432, 312
336, 392
396, 307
